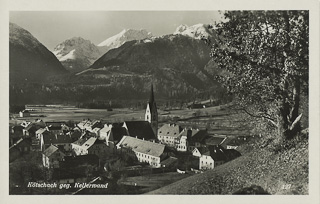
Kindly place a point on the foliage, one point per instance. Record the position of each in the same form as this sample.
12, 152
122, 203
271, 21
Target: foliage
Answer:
266, 56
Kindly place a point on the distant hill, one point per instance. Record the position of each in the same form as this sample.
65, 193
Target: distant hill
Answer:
29, 60
174, 63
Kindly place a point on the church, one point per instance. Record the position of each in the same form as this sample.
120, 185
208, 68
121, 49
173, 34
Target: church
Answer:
151, 114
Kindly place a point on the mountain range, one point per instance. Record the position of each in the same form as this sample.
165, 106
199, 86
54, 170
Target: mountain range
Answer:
77, 54
29, 60
125, 64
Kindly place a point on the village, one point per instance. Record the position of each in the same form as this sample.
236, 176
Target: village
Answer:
91, 148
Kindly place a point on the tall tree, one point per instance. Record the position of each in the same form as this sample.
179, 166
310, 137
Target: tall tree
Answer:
266, 55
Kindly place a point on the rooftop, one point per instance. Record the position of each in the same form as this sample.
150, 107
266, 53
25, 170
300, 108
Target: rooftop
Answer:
171, 130
140, 129
142, 146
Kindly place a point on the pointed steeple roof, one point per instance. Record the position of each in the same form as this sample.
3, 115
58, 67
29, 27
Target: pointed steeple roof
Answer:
152, 102
151, 99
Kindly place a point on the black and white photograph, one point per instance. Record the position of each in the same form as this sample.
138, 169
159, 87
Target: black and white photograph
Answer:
161, 102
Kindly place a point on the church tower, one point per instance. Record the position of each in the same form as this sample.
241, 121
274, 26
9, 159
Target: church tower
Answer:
151, 114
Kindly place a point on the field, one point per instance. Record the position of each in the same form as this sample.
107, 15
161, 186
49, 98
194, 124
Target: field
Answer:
218, 119
66, 113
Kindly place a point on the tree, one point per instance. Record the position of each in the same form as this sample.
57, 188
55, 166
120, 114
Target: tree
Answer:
265, 54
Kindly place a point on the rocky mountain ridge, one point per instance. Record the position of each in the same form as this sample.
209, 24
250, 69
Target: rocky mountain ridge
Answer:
29, 60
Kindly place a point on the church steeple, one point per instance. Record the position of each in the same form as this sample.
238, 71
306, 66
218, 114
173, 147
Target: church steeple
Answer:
151, 114
152, 102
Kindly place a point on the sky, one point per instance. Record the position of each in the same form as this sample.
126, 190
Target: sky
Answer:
54, 27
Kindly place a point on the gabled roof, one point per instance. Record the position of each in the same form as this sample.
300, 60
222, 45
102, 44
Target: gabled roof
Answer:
50, 128
75, 135
217, 153
171, 130
41, 130
194, 135
86, 142
142, 146
199, 136
202, 150
50, 150
56, 139
169, 161
140, 129
30, 127
106, 128
117, 133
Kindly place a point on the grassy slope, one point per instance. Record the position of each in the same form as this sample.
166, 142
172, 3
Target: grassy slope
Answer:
259, 167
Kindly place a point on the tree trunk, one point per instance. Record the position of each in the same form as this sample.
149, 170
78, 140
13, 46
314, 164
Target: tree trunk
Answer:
289, 111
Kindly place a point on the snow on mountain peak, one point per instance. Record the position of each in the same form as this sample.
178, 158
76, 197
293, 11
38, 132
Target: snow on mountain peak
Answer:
197, 31
125, 36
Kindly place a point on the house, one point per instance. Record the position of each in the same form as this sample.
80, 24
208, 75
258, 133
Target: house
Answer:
190, 139
55, 129
142, 150
196, 138
182, 144
24, 113
215, 156
99, 148
59, 140
168, 134
105, 131
83, 123
199, 151
52, 156
74, 134
169, 162
41, 132
91, 145
29, 131
81, 146
39, 123
140, 129
88, 125
25, 124
96, 131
